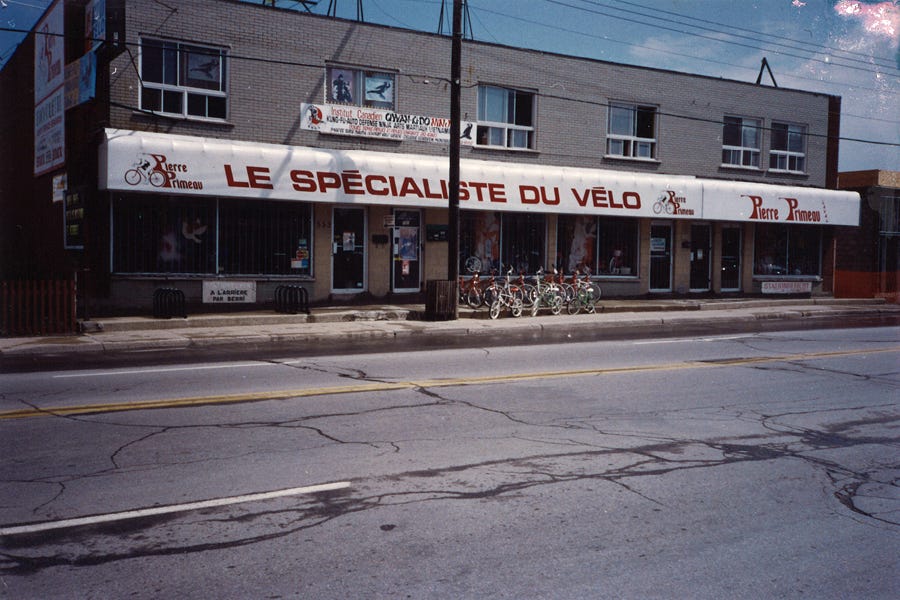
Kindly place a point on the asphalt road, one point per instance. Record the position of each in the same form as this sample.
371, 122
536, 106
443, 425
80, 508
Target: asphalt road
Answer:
752, 465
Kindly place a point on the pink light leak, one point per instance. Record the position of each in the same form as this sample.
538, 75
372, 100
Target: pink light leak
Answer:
882, 18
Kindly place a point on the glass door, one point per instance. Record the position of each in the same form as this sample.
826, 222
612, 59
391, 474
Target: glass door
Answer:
348, 255
731, 259
661, 258
407, 252
701, 248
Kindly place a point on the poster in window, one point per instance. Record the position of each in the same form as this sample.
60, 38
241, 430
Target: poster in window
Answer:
341, 89
379, 88
349, 241
584, 241
202, 69
409, 243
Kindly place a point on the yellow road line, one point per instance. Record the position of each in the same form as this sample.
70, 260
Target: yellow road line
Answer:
403, 385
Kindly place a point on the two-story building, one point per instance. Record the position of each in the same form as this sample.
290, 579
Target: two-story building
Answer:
229, 147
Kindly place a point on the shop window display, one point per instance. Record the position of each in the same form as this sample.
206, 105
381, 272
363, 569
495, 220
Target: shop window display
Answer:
787, 250
605, 245
206, 237
490, 241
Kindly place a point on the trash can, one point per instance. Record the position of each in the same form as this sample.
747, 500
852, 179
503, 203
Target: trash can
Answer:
440, 300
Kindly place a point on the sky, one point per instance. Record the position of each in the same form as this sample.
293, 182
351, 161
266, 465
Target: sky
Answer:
848, 48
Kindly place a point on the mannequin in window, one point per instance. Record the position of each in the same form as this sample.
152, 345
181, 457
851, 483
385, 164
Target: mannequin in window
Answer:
616, 262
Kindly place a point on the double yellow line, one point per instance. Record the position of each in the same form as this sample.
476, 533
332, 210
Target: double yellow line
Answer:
362, 388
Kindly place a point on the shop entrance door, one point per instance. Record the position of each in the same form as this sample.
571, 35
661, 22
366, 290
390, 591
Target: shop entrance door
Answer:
407, 252
661, 258
348, 255
701, 247
731, 259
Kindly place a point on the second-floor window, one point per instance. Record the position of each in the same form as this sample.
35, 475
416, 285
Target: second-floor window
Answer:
740, 142
505, 117
788, 152
186, 80
360, 87
632, 131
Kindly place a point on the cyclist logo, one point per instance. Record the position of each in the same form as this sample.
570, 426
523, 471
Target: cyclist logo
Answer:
667, 202
149, 167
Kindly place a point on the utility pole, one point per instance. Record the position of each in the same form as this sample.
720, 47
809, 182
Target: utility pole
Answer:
453, 225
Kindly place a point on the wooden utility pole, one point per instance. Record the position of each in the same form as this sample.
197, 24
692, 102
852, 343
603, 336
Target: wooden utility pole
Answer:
453, 225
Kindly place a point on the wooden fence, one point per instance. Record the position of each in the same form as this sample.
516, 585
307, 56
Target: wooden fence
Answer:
37, 307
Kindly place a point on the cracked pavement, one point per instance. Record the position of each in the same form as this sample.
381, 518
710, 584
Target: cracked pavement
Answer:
623, 464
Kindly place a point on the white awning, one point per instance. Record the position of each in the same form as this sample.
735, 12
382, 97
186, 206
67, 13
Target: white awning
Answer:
194, 166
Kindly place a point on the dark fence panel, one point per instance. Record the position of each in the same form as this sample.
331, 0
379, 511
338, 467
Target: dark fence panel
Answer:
41, 307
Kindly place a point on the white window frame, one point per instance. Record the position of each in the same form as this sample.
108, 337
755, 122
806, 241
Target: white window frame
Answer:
743, 156
216, 76
364, 85
785, 160
506, 134
630, 145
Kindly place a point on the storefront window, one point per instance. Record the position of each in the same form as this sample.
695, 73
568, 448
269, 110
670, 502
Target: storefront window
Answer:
265, 238
167, 235
178, 236
787, 250
605, 245
490, 241
523, 241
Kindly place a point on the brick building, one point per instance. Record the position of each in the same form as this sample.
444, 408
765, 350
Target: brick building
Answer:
868, 256
230, 147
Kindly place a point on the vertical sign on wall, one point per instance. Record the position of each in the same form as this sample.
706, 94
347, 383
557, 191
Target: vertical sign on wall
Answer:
49, 91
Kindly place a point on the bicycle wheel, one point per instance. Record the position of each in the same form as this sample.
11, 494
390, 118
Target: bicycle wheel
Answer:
556, 305
473, 264
574, 305
157, 179
594, 291
496, 305
516, 307
474, 298
132, 177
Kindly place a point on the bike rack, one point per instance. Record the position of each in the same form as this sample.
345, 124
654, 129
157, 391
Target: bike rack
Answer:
291, 299
168, 302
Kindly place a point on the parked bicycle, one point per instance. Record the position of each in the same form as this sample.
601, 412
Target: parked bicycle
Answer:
547, 294
508, 297
470, 291
586, 293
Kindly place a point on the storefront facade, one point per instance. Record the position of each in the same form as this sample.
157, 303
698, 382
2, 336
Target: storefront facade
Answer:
313, 151
348, 222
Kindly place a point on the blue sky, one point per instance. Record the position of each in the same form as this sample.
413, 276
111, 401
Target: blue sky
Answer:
849, 48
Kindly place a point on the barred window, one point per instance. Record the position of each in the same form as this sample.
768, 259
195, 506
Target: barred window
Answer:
265, 238
176, 235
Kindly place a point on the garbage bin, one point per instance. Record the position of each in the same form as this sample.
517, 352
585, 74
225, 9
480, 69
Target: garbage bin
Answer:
440, 300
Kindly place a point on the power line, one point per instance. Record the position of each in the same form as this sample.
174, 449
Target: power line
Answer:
868, 57
669, 52
699, 35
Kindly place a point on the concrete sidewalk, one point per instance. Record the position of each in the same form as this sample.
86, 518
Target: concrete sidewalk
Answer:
329, 324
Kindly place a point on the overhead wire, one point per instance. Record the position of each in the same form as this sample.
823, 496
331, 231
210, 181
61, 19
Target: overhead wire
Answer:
669, 52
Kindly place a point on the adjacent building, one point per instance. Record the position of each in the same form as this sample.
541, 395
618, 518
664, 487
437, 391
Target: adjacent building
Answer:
225, 148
